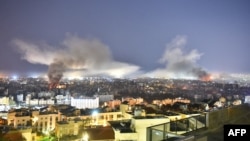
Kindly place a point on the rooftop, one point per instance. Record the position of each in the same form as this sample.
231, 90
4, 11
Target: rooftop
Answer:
123, 126
149, 117
101, 133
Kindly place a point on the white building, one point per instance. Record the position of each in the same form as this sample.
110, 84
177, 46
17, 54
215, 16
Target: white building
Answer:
85, 102
20, 97
247, 99
46, 102
137, 131
50, 102
61, 99
33, 102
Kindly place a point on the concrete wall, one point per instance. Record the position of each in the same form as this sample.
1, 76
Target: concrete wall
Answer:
226, 115
125, 136
27, 134
140, 126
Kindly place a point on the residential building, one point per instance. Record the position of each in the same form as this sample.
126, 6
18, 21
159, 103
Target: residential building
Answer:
85, 102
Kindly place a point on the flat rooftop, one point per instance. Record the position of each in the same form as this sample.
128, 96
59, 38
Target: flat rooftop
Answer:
150, 117
101, 133
122, 126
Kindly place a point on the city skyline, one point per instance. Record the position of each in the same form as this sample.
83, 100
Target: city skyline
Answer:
125, 38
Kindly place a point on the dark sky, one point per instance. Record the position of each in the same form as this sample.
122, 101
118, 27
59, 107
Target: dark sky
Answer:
134, 32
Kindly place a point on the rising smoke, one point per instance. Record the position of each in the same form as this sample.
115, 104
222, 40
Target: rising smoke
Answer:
179, 64
77, 57
55, 73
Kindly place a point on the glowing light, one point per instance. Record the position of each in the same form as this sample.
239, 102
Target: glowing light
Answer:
33, 75
35, 119
85, 137
14, 77
94, 113
104, 123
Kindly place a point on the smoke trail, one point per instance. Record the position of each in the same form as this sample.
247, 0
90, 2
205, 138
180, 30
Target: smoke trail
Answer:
178, 63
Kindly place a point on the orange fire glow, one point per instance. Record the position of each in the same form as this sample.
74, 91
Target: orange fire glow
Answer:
207, 78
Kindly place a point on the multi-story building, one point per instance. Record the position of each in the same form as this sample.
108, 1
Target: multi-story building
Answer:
46, 102
61, 99
44, 121
85, 102
136, 128
27, 118
19, 118
72, 127
33, 102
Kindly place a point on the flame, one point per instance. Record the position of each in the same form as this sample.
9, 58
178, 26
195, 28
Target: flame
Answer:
52, 86
207, 78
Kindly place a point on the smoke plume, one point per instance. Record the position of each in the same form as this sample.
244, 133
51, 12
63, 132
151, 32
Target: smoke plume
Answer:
55, 73
179, 64
75, 57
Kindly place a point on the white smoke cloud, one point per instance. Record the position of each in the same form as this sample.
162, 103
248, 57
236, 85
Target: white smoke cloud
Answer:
179, 64
35, 54
75, 56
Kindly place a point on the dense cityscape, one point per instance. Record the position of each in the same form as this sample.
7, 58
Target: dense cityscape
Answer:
32, 109
165, 70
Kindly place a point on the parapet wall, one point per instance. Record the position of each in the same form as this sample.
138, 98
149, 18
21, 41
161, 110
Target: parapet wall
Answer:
226, 115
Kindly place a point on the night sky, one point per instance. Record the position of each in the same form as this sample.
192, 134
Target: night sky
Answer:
118, 37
